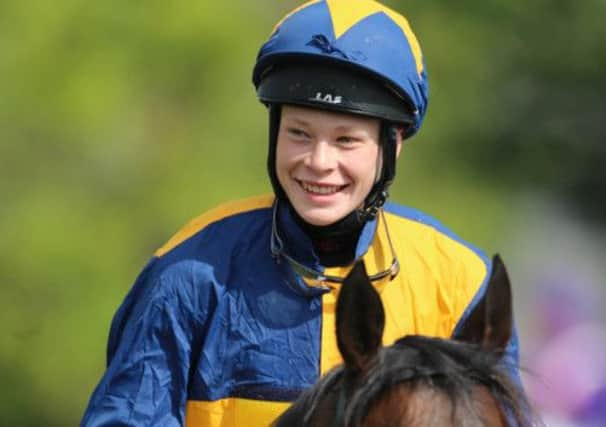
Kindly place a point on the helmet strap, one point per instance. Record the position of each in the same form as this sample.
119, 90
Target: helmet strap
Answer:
378, 195
275, 113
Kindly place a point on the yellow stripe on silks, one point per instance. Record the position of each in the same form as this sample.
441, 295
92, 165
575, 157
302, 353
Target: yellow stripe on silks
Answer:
303, 6
438, 279
329, 355
216, 214
232, 412
377, 258
345, 15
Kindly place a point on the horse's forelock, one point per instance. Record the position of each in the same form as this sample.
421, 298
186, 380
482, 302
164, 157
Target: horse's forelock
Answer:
453, 370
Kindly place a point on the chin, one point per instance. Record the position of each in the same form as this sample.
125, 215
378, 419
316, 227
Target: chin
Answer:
320, 219
320, 222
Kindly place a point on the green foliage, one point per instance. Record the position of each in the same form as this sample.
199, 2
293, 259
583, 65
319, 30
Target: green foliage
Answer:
524, 94
119, 121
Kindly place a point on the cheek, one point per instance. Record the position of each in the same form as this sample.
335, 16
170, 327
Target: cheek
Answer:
282, 157
286, 162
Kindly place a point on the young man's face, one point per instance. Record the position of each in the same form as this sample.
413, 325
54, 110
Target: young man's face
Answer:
326, 162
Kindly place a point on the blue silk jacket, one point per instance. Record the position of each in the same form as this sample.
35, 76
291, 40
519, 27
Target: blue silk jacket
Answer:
217, 332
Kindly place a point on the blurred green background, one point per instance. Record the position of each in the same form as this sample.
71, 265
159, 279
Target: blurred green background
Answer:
119, 121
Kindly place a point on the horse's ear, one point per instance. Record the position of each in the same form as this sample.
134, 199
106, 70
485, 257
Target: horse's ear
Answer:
490, 324
360, 319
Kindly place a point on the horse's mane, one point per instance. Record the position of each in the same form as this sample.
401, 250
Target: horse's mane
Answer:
451, 368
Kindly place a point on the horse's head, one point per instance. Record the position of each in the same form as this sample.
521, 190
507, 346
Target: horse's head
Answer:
418, 381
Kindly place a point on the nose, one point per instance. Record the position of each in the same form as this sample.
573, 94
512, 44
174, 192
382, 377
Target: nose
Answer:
322, 156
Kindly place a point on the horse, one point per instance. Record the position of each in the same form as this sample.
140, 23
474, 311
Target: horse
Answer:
419, 380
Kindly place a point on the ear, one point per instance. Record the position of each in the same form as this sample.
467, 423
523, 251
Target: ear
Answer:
360, 319
490, 323
399, 141
398, 147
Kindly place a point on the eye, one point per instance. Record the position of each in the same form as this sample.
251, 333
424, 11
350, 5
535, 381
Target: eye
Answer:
347, 139
297, 133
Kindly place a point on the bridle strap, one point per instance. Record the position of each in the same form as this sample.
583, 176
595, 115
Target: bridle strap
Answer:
340, 407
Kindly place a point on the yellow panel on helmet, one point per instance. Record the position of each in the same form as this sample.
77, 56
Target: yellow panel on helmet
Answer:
345, 14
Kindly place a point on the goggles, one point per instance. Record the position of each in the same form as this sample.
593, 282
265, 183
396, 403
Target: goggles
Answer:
277, 251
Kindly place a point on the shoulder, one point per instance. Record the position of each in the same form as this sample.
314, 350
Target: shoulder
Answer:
431, 239
203, 254
240, 211
452, 271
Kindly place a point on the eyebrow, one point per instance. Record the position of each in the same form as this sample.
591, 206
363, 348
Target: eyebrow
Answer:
298, 121
341, 128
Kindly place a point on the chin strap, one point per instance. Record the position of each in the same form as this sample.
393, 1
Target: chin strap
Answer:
378, 194
373, 206
275, 112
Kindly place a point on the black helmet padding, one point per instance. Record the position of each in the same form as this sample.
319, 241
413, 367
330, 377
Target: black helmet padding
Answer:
336, 88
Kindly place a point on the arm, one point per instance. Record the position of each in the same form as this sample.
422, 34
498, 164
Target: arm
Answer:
153, 335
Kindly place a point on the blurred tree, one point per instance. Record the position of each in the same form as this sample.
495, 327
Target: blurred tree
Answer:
526, 94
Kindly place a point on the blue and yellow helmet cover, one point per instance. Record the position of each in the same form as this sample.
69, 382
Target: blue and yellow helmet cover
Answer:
362, 34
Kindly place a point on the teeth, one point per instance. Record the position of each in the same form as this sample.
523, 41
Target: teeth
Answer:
319, 190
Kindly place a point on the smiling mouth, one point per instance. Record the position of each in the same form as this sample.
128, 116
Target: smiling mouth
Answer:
323, 190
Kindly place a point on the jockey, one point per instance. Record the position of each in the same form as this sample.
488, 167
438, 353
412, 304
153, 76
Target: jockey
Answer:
234, 316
